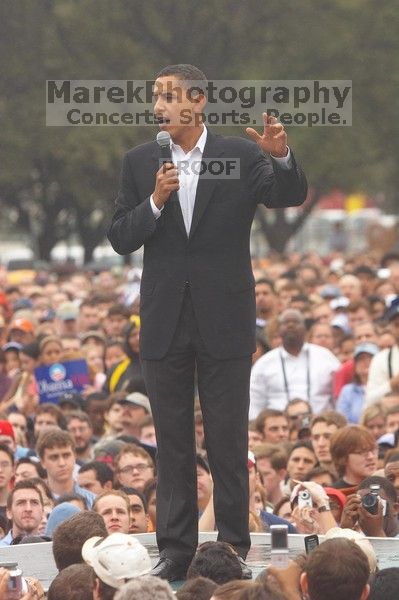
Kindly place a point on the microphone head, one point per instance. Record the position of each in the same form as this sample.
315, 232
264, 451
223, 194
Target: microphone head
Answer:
163, 139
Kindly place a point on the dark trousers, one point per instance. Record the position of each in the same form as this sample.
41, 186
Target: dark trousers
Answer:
223, 387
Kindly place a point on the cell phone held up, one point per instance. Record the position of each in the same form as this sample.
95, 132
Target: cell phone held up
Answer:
15, 588
279, 546
311, 543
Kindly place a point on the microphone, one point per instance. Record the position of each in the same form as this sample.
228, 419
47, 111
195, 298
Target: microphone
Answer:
163, 140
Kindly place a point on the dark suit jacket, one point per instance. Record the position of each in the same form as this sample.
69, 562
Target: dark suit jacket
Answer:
214, 258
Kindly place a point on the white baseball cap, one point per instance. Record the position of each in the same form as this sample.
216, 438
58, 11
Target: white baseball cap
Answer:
359, 539
116, 558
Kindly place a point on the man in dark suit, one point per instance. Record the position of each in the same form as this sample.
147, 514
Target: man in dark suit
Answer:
198, 303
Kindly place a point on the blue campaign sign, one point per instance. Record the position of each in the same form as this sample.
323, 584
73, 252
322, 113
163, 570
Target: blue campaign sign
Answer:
54, 380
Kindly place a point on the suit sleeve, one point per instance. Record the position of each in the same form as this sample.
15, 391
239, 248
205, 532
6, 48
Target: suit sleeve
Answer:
133, 221
273, 185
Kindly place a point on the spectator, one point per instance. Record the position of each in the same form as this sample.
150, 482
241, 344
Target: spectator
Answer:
81, 430
48, 415
145, 588
389, 525
322, 428
392, 423
350, 287
25, 509
115, 559
5, 380
70, 402
266, 301
254, 437
204, 483
139, 518
358, 312
107, 450
354, 453
95, 406
130, 368
114, 508
246, 590
351, 399
385, 585
96, 477
6, 474
75, 582
56, 450
114, 353
133, 467
364, 333
322, 335
384, 367
50, 350
70, 536
391, 469
217, 561
28, 468
374, 419
116, 320
21, 330
150, 494
344, 577
271, 464
272, 424
298, 413
19, 424
89, 317
198, 588
294, 370
147, 431
301, 460
60, 513
321, 476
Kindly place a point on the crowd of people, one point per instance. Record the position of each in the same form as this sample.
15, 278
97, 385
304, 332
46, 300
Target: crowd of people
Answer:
323, 434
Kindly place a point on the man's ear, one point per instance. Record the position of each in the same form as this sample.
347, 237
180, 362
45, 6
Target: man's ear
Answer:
304, 583
282, 473
365, 592
108, 485
96, 589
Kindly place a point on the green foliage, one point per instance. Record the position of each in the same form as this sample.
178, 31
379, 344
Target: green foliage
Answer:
63, 179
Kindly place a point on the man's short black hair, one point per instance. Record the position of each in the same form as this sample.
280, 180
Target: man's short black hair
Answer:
185, 72
198, 588
266, 281
75, 581
103, 472
129, 491
385, 585
217, 561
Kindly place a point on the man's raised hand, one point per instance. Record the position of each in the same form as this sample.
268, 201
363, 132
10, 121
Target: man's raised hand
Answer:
274, 138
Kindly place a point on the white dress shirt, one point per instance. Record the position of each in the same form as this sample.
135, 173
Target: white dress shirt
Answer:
308, 376
188, 177
378, 384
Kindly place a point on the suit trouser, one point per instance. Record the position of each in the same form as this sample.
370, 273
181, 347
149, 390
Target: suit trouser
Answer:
223, 387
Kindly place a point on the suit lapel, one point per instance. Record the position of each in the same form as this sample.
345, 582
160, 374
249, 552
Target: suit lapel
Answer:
206, 184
